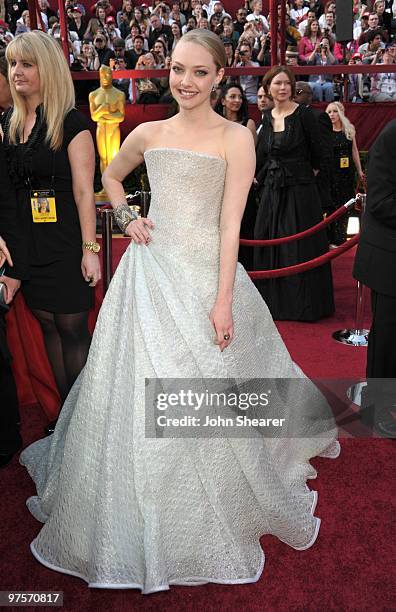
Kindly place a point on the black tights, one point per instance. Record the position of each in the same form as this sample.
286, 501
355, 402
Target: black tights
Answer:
67, 341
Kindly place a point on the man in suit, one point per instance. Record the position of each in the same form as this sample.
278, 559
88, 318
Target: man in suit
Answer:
304, 96
375, 267
263, 103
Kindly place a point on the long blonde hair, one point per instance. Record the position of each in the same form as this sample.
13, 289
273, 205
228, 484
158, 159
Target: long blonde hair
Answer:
56, 84
347, 127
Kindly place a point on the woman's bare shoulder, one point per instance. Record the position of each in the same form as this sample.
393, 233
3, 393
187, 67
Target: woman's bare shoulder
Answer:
237, 138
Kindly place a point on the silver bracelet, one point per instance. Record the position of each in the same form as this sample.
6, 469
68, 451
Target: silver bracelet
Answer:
123, 216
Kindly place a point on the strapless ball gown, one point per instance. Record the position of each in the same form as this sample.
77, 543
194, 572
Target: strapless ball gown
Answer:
124, 511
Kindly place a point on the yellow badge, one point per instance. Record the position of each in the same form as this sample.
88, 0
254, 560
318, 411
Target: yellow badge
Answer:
43, 206
344, 162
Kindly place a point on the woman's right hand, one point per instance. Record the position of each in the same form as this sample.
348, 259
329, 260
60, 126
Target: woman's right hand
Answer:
138, 232
4, 254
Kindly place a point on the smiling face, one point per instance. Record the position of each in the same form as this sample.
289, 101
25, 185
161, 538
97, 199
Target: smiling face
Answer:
193, 74
175, 30
232, 101
25, 77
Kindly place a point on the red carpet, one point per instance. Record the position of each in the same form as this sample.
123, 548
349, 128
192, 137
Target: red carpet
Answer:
348, 569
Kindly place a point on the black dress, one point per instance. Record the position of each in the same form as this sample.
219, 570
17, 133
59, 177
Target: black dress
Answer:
245, 254
56, 283
10, 438
342, 184
290, 203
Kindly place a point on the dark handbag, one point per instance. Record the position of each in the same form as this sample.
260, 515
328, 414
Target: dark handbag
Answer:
4, 307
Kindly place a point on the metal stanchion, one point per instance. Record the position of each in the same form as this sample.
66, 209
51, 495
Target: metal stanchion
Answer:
354, 393
145, 202
107, 247
106, 214
358, 335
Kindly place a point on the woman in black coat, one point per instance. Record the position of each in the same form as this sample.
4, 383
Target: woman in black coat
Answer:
288, 152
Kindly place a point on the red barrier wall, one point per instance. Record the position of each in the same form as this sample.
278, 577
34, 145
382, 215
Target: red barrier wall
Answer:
369, 119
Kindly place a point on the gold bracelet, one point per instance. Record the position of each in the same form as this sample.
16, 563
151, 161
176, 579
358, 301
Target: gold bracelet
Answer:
91, 246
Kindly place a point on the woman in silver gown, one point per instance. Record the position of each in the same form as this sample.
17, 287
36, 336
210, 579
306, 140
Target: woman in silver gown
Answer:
122, 509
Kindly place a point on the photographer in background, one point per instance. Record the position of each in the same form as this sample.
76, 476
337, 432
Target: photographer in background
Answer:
249, 83
322, 84
148, 90
124, 85
111, 30
91, 55
374, 43
105, 4
383, 84
102, 49
264, 55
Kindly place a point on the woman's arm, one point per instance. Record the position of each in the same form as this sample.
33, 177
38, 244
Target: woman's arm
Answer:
252, 127
129, 157
356, 158
81, 155
241, 162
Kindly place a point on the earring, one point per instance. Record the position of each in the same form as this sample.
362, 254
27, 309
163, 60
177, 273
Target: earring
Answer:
214, 87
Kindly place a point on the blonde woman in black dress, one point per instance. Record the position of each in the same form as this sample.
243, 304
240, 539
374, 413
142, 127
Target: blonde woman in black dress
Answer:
50, 153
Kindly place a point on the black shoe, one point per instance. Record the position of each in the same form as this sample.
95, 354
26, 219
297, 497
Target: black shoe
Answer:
50, 428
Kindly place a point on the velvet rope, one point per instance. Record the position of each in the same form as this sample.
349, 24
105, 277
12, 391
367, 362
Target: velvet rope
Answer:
307, 265
308, 232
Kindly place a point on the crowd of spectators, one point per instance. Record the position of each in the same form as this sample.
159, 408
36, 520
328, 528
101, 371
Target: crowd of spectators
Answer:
133, 35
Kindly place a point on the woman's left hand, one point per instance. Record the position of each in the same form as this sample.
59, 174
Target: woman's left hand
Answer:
90, 267
221, 318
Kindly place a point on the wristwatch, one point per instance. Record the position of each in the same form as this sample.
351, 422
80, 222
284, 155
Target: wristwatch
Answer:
91, 246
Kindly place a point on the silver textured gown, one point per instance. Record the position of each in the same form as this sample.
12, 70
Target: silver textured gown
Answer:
123, 511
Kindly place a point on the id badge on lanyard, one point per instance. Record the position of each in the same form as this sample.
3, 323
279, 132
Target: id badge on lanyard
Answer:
344, 162
43, 205
43, 201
